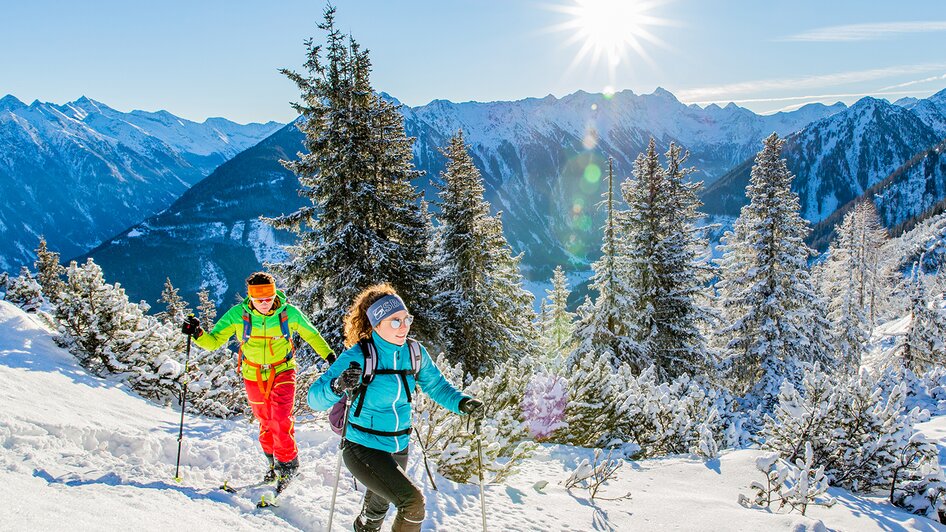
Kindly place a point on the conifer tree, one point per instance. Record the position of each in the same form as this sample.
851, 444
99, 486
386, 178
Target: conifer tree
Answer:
487, 314
601, 329
773, 318
872, 273
25, 292
110, 335
924, 345
206, 309
659, 254
366, 224
839, 277
175, 307
557, 324
49, 272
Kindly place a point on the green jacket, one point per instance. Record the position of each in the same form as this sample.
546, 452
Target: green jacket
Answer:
267, 350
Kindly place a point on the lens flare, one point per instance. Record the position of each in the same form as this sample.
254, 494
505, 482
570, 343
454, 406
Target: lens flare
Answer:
606, 31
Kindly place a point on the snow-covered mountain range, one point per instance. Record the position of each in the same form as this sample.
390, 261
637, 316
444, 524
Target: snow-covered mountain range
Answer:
80, 172
839, 158
544, 163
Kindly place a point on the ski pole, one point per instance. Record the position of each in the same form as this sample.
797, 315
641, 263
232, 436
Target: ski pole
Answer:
479, 463
341, 446
180, 430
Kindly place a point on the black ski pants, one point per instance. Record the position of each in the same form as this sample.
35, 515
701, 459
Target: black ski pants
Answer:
383, 473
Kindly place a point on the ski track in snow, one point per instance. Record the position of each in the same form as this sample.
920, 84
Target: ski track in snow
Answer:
82, 453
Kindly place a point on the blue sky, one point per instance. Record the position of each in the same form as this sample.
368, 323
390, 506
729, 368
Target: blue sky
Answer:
203, 58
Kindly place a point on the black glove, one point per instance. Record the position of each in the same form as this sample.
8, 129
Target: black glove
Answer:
191, 326
471, 406
348, 380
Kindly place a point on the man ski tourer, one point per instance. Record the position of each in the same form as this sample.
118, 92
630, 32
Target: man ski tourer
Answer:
375, 444
263, 324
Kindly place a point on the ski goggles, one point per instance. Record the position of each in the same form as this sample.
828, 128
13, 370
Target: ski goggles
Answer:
261, 293
397, 322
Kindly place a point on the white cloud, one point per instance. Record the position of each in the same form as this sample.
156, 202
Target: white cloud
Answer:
915, 82
732, 91
865, 32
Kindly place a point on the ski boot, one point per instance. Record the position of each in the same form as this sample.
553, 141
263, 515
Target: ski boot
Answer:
363, 524
270, 475
285, 471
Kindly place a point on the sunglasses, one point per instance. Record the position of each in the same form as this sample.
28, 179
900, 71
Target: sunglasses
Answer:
263, 299
397, 322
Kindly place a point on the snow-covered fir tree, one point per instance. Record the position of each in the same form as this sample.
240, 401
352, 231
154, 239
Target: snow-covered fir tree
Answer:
924, 345
601, 330
206, 309
659, 253
841, 286
858, 427
365, 224
591, 418
556, 324
24, 291
110, 335
487, 313
175, 308
4, 282
773, 319
49, 272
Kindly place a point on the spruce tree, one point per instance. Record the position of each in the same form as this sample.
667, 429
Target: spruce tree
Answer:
924, 345
206, 309
660, 257
49, 272
175, 307
601, 329
839, 277
487, 315
773, 318
366, 224
557, 324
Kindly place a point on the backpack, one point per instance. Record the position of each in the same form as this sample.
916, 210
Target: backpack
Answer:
266, 388
369, 369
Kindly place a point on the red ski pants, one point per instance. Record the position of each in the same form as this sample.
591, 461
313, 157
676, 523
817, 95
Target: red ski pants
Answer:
276, 423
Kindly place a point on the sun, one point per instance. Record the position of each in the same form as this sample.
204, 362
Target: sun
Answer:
609, 30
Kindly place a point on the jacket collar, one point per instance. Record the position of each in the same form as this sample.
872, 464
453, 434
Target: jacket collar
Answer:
384, 346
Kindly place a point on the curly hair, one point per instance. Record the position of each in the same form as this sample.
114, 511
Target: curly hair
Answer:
357, 325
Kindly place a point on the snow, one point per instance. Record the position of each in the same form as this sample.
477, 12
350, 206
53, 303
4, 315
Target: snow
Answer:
86, 451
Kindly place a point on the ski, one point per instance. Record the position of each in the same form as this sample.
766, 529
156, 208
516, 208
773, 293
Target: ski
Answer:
234, 489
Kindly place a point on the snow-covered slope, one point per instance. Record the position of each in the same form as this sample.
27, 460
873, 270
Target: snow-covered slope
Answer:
82, 171
84, 453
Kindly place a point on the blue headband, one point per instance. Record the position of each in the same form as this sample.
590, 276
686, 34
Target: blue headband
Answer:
384, 307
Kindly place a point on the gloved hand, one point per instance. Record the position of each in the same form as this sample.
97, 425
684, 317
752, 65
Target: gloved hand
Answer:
191, 326
471, 407
348, 380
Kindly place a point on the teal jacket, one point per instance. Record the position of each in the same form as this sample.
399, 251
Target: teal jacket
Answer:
386, 408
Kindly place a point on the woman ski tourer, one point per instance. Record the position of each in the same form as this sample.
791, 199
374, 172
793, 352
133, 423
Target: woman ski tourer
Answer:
375, 446
263, 324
